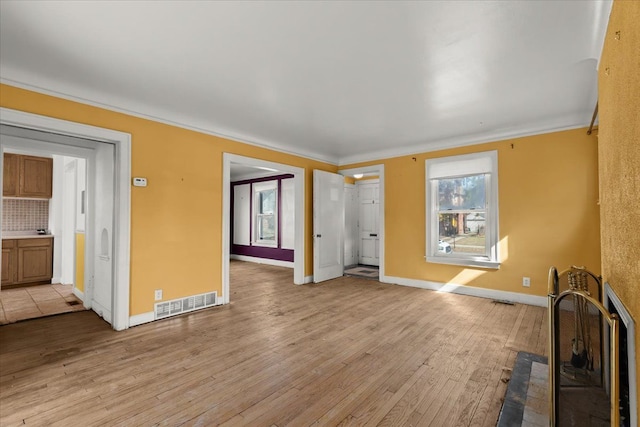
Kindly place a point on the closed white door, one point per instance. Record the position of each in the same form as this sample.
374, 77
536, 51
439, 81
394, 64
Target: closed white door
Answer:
369, 223
103, 223
328, 225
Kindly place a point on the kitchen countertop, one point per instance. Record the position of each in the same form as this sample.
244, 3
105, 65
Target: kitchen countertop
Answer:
9, 235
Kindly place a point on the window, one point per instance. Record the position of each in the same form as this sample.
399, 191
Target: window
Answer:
265, 217
462, 210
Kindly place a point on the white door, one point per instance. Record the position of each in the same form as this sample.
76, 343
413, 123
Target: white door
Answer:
350, 225
328, 225
369, 220
103, 223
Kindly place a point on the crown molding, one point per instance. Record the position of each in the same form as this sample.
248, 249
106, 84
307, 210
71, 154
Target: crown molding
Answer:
574, 121
568, 122
282, 148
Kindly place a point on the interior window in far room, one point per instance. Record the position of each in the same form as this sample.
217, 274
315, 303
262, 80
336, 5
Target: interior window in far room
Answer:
265, 206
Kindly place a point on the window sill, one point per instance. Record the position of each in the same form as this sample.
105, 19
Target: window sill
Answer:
265, 244
464, 262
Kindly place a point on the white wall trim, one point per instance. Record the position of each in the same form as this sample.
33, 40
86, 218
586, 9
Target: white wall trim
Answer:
140, 319
379, 170
307, 279
576, 122
78, 293
299, 202
102, 311
122, 193
266, 261
557, 124
467, 290
283, 148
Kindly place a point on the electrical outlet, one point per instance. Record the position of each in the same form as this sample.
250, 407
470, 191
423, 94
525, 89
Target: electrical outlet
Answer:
158, 294
526, 282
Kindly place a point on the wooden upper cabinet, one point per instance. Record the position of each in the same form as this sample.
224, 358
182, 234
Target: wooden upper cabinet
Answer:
10, 175
35, 177
27, 176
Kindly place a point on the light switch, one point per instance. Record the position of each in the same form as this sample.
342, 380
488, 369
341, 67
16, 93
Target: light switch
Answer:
139, 182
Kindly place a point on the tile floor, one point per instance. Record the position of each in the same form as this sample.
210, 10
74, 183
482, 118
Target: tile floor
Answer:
366, 271
536, 407
526, 403
37, 301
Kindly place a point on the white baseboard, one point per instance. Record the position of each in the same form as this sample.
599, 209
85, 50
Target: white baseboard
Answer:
257, 260
102, 311
78, 293
308, 279
468, 290
139, 319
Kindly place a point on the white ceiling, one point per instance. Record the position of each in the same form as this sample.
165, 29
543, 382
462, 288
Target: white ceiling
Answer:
335, 81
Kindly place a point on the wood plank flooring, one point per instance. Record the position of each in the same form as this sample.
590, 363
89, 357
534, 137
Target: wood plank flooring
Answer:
347, 352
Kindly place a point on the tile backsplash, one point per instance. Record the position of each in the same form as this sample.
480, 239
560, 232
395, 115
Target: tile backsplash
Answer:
24, 215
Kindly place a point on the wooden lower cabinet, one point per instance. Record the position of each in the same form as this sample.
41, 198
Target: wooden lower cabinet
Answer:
26, 261
9, 262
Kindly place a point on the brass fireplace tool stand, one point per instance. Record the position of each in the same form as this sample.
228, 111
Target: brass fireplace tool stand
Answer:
576, 370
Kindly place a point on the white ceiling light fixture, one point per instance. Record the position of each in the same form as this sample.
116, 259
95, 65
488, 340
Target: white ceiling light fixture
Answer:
358, 175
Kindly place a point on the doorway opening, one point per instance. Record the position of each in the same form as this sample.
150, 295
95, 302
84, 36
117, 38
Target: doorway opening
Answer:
364, 222
42, 238
263, 215
108, 155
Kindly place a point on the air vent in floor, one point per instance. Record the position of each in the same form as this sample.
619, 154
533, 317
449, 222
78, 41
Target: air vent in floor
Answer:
183, 305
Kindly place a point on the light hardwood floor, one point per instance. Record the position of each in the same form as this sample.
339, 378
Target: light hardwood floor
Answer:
345, 352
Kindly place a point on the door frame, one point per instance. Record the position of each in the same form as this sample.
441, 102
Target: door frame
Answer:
122, 195
299, 221
378, 170
67, 179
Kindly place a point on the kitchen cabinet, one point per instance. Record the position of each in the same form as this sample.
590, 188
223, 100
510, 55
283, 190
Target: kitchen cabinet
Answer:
9, 262
26, 261
10, 175
27, 176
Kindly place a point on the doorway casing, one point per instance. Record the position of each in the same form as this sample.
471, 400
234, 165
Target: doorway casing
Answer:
122, 195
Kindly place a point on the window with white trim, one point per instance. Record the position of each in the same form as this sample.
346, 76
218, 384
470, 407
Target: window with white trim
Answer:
462, 210
265, 213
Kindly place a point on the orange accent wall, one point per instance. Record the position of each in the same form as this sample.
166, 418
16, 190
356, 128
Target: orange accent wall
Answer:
176, 221
619, 157
79, 282
548, 212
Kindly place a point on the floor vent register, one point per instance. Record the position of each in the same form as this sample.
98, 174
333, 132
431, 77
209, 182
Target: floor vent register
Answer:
184, 305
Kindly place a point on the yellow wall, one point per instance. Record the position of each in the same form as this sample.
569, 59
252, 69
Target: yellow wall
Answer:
176, 221
548, 194
79, 282
364, 178
619, 157
349, 180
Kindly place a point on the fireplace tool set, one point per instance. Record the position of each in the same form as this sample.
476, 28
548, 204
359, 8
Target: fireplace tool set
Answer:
581, 346
575, 368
